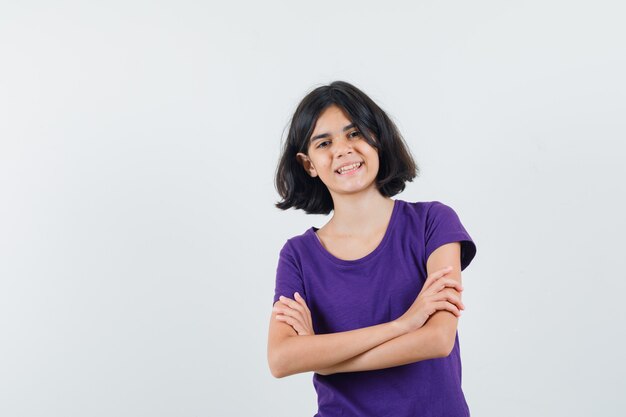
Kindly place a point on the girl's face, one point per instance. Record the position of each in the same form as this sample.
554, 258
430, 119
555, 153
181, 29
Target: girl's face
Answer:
335, 143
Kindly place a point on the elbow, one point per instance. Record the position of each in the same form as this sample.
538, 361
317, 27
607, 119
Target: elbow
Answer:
274, 365
277, 366
444, 344
277, 372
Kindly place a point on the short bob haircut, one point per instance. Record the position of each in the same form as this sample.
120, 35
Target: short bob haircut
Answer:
396, 165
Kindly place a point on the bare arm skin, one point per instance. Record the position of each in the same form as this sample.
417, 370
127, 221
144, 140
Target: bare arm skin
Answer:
418, 345
433, 340
289, 353
444, 321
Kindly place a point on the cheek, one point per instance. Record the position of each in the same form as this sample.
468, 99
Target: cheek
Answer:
375, 164
323, 167
373, 158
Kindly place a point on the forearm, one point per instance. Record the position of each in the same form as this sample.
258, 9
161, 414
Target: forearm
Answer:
421, 344
307, 353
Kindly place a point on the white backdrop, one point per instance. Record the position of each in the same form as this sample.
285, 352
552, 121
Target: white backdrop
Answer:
138, 236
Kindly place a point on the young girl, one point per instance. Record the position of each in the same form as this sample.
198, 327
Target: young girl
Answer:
369, 302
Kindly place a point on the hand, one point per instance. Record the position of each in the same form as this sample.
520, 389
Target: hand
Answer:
295, 313
438, 293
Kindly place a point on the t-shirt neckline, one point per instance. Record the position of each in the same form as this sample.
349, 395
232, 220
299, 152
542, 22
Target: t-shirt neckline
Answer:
372, 254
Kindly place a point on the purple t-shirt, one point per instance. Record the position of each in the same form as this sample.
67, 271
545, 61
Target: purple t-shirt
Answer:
378, 288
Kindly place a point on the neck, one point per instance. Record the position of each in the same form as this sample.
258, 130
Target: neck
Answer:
361, 213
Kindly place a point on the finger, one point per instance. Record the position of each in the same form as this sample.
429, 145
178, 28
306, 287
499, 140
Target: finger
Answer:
291, 303
456, 284
291, 312
290, 321
293, 308
279, 304
439, 273
300, 300
446, 283
296, 324
278, 307
307, 312
451, 296
445, 305
436, 275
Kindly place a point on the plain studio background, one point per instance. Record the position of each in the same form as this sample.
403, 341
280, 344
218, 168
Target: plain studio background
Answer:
138, 236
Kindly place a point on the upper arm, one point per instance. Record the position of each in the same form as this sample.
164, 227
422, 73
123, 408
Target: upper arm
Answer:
444, 322
278, 332
288, 281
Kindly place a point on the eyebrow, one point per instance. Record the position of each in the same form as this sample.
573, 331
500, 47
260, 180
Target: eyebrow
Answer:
325, 135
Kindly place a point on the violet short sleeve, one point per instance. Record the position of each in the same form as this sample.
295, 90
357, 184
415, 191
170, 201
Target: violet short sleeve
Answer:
288, 275
444, 226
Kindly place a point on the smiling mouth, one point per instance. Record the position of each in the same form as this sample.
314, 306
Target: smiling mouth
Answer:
349, 171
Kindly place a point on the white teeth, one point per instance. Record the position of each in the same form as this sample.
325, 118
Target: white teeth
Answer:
349, 167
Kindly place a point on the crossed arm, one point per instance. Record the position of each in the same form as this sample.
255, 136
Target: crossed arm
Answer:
375, 347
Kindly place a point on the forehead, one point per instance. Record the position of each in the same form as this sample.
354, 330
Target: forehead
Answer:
332, 118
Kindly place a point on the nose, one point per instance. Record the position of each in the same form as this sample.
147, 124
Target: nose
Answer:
343, 147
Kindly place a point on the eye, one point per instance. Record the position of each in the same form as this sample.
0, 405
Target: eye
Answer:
320, 145
354, 134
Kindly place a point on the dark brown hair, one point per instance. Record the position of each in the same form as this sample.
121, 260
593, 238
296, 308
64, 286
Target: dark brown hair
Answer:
396, 165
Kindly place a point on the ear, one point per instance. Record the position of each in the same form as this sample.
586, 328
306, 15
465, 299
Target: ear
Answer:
306, 164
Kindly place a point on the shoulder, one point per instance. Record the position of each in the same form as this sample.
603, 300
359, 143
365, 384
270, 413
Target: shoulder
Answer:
422, 205
426, 209
294, 246
443, 225
439, 209
298, 240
